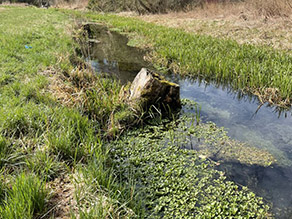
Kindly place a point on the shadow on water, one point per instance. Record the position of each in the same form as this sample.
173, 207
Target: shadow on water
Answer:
264, 127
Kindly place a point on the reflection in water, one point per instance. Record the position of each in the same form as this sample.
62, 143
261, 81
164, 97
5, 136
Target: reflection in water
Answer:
109, 53
262, 127
265, 129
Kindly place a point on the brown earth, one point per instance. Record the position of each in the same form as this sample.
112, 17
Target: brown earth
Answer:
63, 201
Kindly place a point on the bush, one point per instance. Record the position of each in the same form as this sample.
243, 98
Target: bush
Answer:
37, 3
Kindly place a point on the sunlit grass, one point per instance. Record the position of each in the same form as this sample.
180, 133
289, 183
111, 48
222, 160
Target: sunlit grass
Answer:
43, 137
26, 199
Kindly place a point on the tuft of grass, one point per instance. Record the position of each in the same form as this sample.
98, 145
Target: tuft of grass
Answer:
72, 136
3, 151
45, 166
23, 120
272, 8
100, 194
27, 198
97, 97
10, 157
3, 190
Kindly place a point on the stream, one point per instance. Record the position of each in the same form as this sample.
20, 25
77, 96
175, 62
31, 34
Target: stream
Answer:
264, 127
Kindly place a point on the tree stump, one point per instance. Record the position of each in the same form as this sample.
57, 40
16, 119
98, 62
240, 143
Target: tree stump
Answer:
150, 88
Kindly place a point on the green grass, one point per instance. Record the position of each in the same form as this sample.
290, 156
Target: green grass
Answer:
106, 195
26, 199
246, 67
28, 114
4, 151
41, 137
56, 120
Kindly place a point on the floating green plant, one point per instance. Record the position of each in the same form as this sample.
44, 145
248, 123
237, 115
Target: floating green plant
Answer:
175, 182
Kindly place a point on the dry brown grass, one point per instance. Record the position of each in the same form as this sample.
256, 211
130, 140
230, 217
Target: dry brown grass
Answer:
267, 8
72, 4
63, 201
268, 24
70, 89
271, 8
75, 4
7, 3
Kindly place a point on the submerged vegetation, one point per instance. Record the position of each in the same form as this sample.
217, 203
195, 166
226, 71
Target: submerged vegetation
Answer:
175, 182
213, 142
59, 121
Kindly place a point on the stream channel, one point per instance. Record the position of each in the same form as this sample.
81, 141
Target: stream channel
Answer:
265, 128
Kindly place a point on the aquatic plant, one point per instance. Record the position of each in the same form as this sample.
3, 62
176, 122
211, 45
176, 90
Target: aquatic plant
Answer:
174, 182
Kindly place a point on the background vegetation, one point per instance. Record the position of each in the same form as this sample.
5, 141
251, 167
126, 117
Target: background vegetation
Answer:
267, 8
141, 6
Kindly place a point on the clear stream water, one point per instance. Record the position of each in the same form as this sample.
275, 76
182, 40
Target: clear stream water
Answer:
239, 114
264, 128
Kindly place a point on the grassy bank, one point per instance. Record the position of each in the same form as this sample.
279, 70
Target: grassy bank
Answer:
49, 123
261, 70
56, 156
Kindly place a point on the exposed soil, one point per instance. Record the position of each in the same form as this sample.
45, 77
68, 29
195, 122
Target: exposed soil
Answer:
62, 202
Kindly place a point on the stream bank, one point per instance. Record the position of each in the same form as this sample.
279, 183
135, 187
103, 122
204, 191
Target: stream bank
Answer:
219, 104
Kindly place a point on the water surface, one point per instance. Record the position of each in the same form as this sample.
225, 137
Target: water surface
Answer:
108, 52
260, 127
